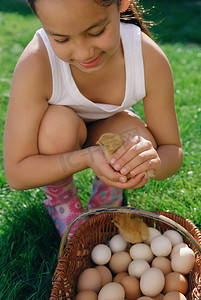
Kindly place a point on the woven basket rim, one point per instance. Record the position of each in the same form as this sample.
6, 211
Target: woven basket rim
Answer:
143, 213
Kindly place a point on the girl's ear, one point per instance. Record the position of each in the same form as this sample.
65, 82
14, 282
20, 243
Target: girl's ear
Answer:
124, 5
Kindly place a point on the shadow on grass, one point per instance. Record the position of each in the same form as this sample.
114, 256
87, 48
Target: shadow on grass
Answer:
17, 6
176, 21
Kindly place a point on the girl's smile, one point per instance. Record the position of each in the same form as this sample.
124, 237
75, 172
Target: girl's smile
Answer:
92, 63
86, 34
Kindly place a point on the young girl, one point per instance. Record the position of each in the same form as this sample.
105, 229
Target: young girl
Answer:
76, 80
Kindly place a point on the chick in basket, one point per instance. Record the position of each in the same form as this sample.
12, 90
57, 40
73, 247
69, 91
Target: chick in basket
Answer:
133, 230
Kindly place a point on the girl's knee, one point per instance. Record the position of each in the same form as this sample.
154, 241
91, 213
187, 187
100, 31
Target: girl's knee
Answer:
61, 131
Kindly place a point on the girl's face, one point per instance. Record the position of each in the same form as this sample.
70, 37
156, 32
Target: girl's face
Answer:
82, 32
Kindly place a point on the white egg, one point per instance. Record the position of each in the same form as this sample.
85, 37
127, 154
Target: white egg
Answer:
152, 282
183, 260
112, 291
174, 237
153, 232
101, 254
117, 243
141, 251
177, 247
137, 267
161, 246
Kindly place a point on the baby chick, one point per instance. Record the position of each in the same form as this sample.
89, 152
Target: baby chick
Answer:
110, 142
133, 230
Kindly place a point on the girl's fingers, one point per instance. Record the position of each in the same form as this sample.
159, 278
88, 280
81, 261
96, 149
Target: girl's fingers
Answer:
132, 183
124, 148
143, 161
137, 151
152, 164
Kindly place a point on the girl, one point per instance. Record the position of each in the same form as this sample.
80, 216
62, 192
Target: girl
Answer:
76, 80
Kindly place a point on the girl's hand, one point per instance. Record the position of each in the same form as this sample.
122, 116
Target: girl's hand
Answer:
97, 161
116, 178
137, 157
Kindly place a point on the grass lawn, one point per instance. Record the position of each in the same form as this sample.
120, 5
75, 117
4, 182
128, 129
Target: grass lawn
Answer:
28, 240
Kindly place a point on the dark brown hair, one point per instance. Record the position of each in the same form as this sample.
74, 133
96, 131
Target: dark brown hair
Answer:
132, 15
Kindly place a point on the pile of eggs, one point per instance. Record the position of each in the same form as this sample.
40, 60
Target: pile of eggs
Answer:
155, 269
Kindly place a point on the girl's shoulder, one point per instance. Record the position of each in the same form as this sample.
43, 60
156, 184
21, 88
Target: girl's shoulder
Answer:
34, 53
33, 64
156, 64
151, 51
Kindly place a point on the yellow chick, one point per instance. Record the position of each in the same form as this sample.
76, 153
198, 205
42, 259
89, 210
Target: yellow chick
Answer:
110, 142
133, 230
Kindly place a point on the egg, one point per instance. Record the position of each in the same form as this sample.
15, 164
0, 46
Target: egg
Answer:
112, 291
153, 232
86, 295
175, 282
161, 246
119, 262
105, 273
101, 254
177, 247
152, 282
137, 267
120, 276
141, 251
162, 263
183, 260
131, 287
174, 237
117, 243
89, 279
174, 296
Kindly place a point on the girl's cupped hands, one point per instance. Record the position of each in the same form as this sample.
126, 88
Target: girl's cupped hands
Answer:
129, 166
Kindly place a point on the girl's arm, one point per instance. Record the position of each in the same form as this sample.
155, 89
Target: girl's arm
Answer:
139, 156
24, 166
159, 109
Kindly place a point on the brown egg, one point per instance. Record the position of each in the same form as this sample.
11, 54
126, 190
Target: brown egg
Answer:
119, 262
86, 295
89, 279
120, 276
163, 264
106, 275
159, 297
175, 282
131, 287
174, 296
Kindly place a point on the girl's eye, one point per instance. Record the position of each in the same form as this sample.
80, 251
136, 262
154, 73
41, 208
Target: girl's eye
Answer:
93, 35
62, 42
99, 33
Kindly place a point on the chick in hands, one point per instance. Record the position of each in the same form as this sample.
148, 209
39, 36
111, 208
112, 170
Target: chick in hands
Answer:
133, 230
110, 142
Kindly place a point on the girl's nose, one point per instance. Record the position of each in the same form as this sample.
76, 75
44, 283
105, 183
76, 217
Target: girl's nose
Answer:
83, 51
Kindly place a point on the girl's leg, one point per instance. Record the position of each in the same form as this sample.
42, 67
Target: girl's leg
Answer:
104, 195
128, 125
125, 123
61, 131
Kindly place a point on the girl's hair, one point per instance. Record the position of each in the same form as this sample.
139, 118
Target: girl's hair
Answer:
132, 15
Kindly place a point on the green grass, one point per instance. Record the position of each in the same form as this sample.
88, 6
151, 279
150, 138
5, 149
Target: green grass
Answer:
29, 243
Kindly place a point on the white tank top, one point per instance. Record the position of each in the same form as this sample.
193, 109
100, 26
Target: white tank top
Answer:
65, 92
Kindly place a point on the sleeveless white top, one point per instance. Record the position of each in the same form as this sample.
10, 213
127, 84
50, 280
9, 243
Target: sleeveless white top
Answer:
65, 92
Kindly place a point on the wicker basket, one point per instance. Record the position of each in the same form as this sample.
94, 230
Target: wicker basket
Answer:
74, 256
